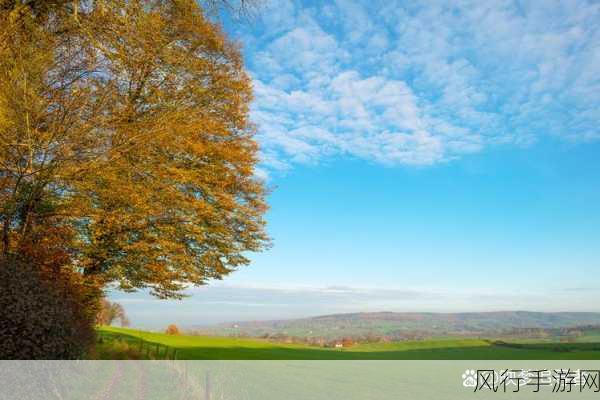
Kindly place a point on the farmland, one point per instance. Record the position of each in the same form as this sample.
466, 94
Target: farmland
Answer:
412, 325
129, 343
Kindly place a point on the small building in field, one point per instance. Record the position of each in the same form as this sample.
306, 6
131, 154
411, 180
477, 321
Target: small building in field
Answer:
345, 342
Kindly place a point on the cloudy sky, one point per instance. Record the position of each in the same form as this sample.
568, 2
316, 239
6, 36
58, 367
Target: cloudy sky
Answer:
423, 156
421, 83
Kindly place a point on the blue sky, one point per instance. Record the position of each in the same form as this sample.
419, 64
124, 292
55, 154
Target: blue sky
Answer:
424, 156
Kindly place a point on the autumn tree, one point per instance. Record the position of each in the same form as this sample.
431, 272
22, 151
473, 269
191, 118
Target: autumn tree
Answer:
110, 312
124, 124
172, 329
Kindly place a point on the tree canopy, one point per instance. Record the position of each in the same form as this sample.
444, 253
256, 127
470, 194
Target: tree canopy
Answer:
126, 150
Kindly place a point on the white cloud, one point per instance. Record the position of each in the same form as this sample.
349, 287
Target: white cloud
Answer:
424, 82
347, 116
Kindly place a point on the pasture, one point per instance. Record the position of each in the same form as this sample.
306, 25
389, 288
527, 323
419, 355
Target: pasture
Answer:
118, 343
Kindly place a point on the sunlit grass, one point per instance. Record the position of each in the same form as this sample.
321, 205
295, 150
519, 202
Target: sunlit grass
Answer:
144, 344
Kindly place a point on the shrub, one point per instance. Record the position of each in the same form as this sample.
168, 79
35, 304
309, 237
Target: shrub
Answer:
45, 314
115, 350
172, 330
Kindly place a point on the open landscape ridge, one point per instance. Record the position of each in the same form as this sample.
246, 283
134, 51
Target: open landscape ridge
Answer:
416, 325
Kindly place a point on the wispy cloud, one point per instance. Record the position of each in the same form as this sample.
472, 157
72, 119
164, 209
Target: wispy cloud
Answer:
226, 303
418, 83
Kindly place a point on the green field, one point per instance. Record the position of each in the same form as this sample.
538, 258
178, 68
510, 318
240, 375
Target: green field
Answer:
129, 343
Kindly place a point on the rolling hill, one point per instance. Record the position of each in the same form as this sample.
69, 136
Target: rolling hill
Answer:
412, 325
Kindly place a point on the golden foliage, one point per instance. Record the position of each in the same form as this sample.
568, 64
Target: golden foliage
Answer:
172, 330
125, 125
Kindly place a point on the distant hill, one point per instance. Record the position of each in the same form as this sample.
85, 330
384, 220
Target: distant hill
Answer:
414, 325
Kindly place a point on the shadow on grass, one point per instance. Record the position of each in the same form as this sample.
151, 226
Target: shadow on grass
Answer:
493, 351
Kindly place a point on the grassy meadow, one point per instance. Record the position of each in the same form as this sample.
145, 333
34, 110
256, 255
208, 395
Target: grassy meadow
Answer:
119, 343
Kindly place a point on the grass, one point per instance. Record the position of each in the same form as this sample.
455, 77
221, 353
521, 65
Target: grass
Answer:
120, 343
